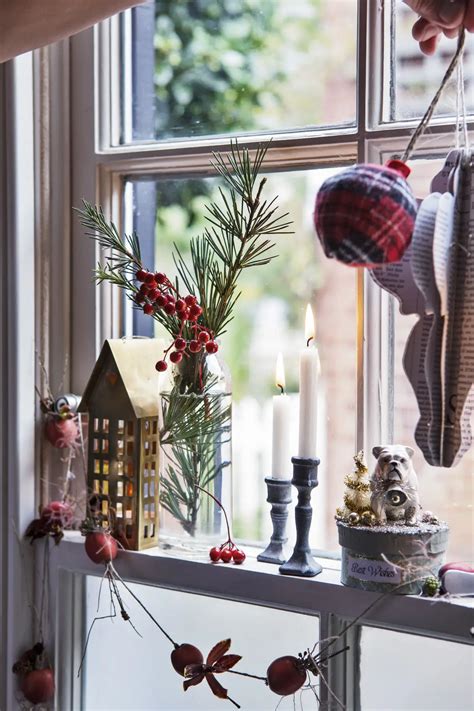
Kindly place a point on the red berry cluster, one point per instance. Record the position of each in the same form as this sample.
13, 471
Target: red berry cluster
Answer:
226, 552
157, 293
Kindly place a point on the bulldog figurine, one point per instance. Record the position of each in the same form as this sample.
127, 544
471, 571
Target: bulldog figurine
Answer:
394, 485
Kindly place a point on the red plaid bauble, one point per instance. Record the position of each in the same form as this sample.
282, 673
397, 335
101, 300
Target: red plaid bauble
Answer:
365, 215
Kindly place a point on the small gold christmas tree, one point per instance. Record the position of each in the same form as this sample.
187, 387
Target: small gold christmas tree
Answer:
357, 495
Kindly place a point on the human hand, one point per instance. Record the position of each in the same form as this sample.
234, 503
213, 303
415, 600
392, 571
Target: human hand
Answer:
439, 17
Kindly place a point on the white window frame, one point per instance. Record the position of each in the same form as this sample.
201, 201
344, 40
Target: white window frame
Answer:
69, 156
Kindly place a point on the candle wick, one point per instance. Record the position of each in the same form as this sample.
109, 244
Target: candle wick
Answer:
309, 340
282, 389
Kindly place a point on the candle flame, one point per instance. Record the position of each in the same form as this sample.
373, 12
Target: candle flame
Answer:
280, 373
309, 328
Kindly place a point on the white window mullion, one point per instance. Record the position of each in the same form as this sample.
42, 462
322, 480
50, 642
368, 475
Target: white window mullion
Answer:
17, 333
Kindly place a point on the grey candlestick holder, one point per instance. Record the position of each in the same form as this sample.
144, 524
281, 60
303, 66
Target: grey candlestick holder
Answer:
279, 496
305, 478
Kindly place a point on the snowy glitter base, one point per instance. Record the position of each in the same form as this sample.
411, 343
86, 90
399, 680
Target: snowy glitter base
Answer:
391, 558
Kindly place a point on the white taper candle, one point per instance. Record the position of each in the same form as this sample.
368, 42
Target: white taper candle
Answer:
309, 374
281, 455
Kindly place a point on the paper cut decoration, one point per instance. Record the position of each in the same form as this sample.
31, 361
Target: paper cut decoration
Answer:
435, 279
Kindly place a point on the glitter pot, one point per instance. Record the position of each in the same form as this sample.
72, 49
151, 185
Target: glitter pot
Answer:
391, 558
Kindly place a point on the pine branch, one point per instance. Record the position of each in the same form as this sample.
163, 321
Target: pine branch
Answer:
191, 468
191, 417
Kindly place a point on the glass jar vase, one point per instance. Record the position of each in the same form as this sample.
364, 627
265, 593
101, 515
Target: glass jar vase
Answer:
195, 454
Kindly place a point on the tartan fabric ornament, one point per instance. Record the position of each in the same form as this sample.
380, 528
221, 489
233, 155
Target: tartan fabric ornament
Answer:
365, 216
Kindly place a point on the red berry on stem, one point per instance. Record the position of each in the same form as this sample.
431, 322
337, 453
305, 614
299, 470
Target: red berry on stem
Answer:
238, 556
38, 686
101, 547
204, 337
161, 366
215, 554
150, 278
148, 309
184, 655
180, 306
141, 274
161, 300
195, 311
176, 357
169, 308
190, 300
153, 294
139, 298
226, 555
212, 347
180, 344
285, 675
160, 278
195, 346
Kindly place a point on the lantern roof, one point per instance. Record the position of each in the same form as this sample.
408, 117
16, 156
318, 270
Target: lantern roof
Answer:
127, 365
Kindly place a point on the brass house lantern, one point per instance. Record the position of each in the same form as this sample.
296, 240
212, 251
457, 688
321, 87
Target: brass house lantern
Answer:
121, 399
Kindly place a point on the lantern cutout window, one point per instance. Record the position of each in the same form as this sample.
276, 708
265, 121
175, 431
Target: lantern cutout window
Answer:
121, 399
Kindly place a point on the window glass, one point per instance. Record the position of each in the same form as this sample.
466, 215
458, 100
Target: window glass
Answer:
414, 673
269, 318
416, 77
139, 673
210, 67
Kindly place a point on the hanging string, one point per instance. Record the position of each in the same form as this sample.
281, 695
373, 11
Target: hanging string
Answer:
458, 106
462, 94
423, 125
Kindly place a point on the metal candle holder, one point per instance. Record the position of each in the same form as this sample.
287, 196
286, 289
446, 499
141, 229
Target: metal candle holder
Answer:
279, 496
305, 478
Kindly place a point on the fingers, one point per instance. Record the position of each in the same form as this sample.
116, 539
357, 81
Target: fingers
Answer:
425, 30
428, 32
447, 14
452, 34
469, 16
429, 46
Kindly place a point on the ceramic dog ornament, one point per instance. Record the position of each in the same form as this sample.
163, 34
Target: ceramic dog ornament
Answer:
394, 485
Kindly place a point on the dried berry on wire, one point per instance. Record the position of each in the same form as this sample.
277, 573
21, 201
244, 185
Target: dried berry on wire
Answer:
217, 662
36, 676
54, 518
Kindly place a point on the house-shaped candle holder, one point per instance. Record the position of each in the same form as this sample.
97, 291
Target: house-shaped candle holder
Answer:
122, 402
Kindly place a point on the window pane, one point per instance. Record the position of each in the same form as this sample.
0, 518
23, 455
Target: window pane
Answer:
446, 492
210, 67
270, 318
417, 77
139, 673
406, 673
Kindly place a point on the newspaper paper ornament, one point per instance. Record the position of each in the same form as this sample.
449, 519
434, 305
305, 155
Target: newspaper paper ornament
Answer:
435, 280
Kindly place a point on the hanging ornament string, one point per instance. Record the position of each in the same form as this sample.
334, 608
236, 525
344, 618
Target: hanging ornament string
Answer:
458, 106
462, 94
423, 125
461, 114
